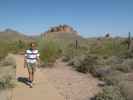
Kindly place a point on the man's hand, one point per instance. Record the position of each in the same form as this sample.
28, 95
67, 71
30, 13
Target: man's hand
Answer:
38, 62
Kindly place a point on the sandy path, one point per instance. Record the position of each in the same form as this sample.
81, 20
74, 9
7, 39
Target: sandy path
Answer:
70, 83
60, 82
43, 90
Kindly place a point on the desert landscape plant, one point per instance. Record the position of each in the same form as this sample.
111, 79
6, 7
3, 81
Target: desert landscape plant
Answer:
110, 93
49, 51
7, 72
109, 60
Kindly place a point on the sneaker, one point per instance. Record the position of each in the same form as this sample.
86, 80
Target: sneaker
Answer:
31, 85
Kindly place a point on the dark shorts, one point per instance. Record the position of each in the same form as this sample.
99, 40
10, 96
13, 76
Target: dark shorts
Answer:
31, 67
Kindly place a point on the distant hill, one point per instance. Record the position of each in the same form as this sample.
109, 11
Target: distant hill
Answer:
12, 35
62, 28
63, 33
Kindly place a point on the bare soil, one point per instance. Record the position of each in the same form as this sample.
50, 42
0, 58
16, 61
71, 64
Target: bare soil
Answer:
72, 85
60, 82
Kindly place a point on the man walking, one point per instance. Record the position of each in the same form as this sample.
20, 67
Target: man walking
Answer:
31, 60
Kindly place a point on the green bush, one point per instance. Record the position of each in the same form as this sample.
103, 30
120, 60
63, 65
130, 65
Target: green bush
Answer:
115, 77
102, 71
6, 82
109, 47
113, 60
125, 66
110, 93
8, 61
76, 61
65, 59
3, 49
127, 89
49, 51
18, 46
7, 72
122, 68
86, 64
70, 51
11, 47
106, 48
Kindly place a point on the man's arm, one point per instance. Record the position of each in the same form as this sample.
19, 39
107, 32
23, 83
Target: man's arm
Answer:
38, 59
25, 56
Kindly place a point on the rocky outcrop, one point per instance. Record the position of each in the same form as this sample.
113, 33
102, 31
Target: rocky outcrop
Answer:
61, 28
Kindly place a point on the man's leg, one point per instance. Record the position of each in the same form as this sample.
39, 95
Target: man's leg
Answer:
30, 74
33, 71
30, 79
29, 71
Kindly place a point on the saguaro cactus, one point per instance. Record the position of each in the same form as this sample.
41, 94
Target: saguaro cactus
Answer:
76, 44
129, 41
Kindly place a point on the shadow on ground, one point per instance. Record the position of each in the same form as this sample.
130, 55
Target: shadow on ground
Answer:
23, 80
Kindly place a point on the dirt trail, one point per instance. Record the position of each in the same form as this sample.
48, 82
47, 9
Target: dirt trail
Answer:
60, 82
72, 85
43, 90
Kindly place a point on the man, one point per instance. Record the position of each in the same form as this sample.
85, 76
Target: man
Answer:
31, 60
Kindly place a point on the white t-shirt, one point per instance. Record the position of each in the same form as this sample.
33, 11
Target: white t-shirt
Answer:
31, 56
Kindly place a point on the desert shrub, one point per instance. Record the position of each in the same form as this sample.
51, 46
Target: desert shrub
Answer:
87, 64
3, 49
105, 48
119, 49
7, 72
18, 46
77, 61
6, 82
112, 60
49, 51
65, 59
109, 47
115, 77
126, 88
127, 54
21, 44
11, 47
110, 93
8, 61
102, 71
70, 51
128, 62
126, 66
122, 67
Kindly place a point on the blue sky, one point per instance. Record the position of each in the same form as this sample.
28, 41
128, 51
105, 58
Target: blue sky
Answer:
89, 17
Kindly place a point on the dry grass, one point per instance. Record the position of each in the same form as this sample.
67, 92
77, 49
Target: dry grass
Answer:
7, 73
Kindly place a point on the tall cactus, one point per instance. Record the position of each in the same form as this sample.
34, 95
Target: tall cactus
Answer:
129, 40
76, 44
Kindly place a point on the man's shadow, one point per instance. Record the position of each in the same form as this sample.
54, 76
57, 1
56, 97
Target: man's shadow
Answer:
23, 80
